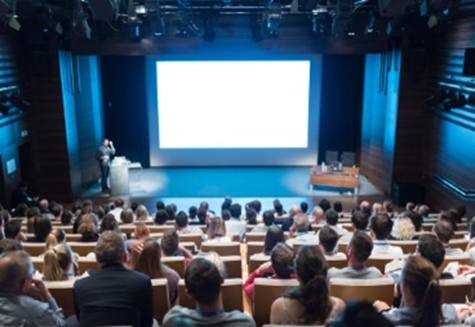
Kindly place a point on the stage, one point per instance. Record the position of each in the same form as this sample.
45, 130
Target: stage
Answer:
187, 186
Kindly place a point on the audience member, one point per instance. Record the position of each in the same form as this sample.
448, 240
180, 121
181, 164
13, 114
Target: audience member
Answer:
170, 209
182, 227
403, 229
141, 232
289, 221
25, 299
251, 217
416, 219
57, 211
304, 207
9, 244
42, 227
273, 236
444, 232
203, 284
365, 208
422, 297
57, 236
161, 217
127, 217
269, 219
59, 264
358, 251
278, 209
141, 213
13, 230
193, 215
226, 204
450, 217
331, 219
281, 266
328, 240
108, 223
67, 218
358, 314
310, 303
410, 206
118, 207
388, 208
424, 211
338, 207
43, 206
171, 247
301, 227
256, 205
217, 231
381, 226
114, 295
360, 223
325, 205
20, 210
88, 228
234, 225
460, 211
317, 216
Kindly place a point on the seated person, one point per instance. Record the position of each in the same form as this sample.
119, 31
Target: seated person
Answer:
422, 294
328, 240
88, 228
269, 220
331, 218
403, 229
234, 225
444, 232
171, 247
281, 266
182, 227
217, 231
360, 222
203, 283
21, 289
273, 236
317, 216
381, 226
301, 227
360, 313
41, 227
13, 230
59, 264
309, 303
357, 252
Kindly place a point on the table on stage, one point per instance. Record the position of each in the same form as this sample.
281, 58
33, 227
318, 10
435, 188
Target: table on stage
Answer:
347, 178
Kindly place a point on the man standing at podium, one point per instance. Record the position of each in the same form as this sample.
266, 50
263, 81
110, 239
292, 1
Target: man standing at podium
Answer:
103, 155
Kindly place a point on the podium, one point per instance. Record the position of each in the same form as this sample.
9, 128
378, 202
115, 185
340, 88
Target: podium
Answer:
119, 176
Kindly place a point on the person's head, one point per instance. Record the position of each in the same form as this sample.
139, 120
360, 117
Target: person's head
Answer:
251, 216
181, 220
403, 229
313, 292
420, 288
337, 206
268, 218
226, 204
170, 241
141, 213
57, 210
410, 206
202, 216
318, 214
119, 203
16, 271
424, 210
324, 204
149, 261
359, 249
359, 220
381, 226
443, 230
13, 229
192, 212
460, 212
328, 239
134, 206
88, 224
42, 226
141, 231
87, 203
416, 218
235, 210
105, 142
331, 217
304, 206
110, 249
57, 236
388, 206
256, 205
127, 216
216, 228
109, 223
301, 223
160, 205
274, 235
282, 259
20, 210
170, 211
216, 259
8, 244
161, 217
32, 212
278, 208
56, 262
360, 313
449, 216
365, 207
99, 212
377, 208
43, 205
66, 218
203, 281
430, 247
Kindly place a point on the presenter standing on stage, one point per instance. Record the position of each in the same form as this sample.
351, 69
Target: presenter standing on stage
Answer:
103, 155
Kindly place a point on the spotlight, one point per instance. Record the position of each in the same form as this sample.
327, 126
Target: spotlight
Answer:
322, 19
273, 18
437, 98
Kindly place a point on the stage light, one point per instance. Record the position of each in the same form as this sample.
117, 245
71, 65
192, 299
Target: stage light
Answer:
322, 20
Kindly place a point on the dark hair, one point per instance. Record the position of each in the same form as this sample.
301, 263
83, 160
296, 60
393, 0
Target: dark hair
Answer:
109, 223
202, 214
99, 212
361, 245
110, 248
431, 248
66, 217
32, 212
304, 206
119, 203
360, 313
444, 230
328, 237
359, 220
416, 219
226, 204
204, 205
160, 205
337, 206
203, 281
134, 206
226, 215
57, 210
42, 226
251, 216
235, 210
381, 225
422, 280
12, 228
324, 204
472, 228
181, 219
331, 216
192, 211
282, 259
161, 217
4, 215
268, 218
278, 207
256, 205
449, 216
274, 235
170, 241
170, 211
461, 210
8, 244
127, 216
20, 210
314, 293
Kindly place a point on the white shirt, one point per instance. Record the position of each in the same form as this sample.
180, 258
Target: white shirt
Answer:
236, 226
303, 237
116, 212
383, 248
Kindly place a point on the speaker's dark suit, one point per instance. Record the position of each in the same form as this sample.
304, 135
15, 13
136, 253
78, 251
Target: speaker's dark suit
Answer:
114, 296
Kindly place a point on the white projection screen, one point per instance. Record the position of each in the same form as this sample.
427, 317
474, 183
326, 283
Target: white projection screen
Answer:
233, 112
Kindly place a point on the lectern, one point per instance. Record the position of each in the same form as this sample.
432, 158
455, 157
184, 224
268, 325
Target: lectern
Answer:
119, 177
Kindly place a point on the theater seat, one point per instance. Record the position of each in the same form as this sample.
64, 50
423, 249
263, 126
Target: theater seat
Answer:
336, 262
266, 291
231, 294
255, 237
455, 290
195, 238
297, 245
175, 263
379, 262
223, 249
256, 261
463, 259
34, 249
363, 289
233, 264
254, 248
63, 293
161, 300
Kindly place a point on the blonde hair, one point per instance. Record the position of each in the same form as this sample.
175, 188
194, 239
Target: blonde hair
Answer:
215, 258
141, 213
403, 229
56, 262
377, 208
141, 231
88, 224
216, 228
56, 237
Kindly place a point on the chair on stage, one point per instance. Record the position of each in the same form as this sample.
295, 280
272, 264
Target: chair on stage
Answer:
363, 289
348, 159
223, 249
331, 157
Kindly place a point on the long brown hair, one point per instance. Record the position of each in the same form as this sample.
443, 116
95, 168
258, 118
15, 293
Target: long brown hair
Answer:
56, 262
313, 292
217, 228
149, 260
421, 279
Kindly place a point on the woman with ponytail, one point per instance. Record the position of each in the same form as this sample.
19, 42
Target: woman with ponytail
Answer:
58, 263
310, 303
56, 237
421, 297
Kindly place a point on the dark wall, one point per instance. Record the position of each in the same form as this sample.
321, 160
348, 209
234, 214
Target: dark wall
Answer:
340, 111
125, 111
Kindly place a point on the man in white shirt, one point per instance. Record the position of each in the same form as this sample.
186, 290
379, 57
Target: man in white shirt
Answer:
360, 223
381, 226
301, 226
182, 227
119, 206
235, 225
